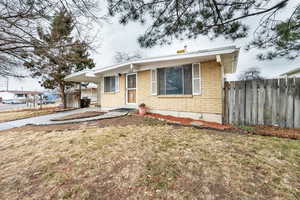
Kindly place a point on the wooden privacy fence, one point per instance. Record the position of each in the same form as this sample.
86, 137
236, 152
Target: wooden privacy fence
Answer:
263, 102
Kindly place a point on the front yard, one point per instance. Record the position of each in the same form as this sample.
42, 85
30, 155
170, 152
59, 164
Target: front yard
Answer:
6, 116
147, 159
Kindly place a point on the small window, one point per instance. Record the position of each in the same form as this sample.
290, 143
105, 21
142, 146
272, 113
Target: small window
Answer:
110, 84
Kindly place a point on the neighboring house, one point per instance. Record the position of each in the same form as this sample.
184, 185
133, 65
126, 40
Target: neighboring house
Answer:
291, 74
184, 85
20, 96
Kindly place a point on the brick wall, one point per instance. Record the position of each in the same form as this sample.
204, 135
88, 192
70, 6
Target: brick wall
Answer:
114, 99
210, 100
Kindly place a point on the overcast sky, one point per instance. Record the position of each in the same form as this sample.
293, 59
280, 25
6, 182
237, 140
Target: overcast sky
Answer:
115, 37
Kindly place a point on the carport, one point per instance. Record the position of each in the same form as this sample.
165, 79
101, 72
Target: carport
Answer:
73, 98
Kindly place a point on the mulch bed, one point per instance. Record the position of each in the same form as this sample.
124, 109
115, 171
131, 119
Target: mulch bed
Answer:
292, 133
79, 116
188, 121
258, 130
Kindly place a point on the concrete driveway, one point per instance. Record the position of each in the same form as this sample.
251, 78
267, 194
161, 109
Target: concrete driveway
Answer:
46, 119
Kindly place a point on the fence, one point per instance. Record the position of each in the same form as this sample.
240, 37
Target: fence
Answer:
263, 102
73, 99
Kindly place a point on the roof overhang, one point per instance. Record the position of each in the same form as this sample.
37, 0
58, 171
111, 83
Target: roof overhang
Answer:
294, 71
82, 76
229, 57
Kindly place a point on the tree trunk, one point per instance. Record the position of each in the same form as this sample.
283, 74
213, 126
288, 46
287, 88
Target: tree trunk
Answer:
63, 95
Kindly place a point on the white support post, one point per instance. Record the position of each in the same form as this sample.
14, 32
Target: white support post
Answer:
99, 93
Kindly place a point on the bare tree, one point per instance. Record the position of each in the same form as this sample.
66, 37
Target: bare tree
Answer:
123, 56
252, 73
19, 20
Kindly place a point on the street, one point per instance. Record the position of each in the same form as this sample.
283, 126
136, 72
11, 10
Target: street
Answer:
6, 107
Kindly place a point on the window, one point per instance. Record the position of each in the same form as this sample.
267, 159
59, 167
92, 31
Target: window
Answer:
175, 80
110, 84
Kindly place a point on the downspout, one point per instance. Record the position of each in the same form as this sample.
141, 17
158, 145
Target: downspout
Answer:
219, 60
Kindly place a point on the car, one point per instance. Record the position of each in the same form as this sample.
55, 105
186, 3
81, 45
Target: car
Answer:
13, 101
45, 101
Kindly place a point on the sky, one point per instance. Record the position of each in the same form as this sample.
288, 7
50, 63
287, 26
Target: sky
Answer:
114, 37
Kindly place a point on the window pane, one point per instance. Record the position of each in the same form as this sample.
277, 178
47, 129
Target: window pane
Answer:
106, 84
161, 81
197, 86
109, 84
174, 82
131, 81
187, 70
196, 70
113, 84
153, 75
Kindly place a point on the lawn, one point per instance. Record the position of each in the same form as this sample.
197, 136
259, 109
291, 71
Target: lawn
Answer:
147, 159
6, 116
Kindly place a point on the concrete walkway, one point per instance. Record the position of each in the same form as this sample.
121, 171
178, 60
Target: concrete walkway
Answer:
46, 119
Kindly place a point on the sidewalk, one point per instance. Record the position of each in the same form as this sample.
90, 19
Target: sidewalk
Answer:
46, 119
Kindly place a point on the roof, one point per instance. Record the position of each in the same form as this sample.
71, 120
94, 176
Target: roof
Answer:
86, 75
199, 53
294, 71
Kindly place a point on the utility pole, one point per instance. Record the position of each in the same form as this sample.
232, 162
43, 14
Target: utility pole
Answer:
6, 84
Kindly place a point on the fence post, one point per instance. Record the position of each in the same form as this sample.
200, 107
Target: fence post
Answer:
290, 103
268, 102
248, 102
297, 103
231, 102
283, 102
236, 102
261, 103
274, 101
254, 102
226, 102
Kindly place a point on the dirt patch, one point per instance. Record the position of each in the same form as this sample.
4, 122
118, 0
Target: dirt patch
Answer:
131, 119
79, 116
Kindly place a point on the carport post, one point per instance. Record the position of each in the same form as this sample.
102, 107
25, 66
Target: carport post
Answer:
99, 93
79, 99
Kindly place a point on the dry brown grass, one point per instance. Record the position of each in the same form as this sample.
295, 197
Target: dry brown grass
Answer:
147, 162
15, 115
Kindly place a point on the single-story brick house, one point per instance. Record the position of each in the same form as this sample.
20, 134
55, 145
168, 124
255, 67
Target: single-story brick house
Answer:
183, 85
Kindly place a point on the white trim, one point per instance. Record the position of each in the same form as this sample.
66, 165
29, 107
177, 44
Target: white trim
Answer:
218, 58
199, 78
155, 81
136, 88
117, 83
102, 84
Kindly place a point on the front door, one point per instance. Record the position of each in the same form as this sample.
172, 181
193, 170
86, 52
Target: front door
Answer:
131, 88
